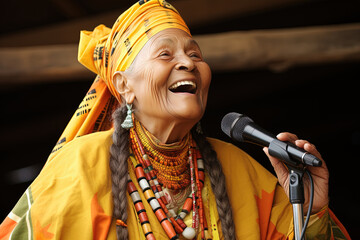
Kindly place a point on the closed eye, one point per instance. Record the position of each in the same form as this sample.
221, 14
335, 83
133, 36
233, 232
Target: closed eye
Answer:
195, 55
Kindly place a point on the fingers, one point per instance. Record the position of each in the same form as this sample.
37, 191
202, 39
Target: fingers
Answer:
286, 136
304, 144
309, 147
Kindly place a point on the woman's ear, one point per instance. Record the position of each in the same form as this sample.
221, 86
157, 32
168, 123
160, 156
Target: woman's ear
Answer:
120, 82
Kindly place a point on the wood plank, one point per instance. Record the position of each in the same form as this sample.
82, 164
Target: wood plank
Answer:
277, 50
281, 49
196, 13
41, 63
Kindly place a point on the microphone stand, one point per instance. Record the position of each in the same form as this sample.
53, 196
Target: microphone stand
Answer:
297, 199
296, 185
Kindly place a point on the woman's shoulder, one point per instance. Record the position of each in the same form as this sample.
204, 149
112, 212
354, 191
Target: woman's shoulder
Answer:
236, 163
226, 151
82, 156
89, 145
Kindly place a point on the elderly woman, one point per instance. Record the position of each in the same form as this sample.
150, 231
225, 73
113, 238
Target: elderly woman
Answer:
153, 174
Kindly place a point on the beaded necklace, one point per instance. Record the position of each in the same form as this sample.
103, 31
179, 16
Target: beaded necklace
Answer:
170, 161
146, 152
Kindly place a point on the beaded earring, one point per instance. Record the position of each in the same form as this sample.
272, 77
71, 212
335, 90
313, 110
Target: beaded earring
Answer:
128, 122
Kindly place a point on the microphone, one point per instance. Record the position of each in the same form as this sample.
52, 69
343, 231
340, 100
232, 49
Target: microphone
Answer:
241, 128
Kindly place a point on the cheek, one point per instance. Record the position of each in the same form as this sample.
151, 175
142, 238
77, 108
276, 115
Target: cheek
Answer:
153, 89
205, 74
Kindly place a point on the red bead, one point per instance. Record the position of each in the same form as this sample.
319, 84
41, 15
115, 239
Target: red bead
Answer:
163, 205
181, 223
178, 229
201, 175
139, 171
131, 187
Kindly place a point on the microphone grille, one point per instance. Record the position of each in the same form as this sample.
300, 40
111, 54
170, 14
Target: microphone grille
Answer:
236, 121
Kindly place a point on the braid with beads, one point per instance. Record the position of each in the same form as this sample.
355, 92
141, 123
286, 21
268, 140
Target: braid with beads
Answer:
217, 180
119, 154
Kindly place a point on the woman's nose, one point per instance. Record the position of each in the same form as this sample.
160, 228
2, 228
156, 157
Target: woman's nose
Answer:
185, 63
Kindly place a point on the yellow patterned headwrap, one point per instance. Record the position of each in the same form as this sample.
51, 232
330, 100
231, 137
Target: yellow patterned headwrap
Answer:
105, 51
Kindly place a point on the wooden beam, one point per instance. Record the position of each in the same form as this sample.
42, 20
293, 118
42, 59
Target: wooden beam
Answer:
281, 49
196, 13
41, 63
277, 50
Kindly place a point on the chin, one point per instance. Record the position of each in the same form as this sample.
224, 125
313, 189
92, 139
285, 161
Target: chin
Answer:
191, 115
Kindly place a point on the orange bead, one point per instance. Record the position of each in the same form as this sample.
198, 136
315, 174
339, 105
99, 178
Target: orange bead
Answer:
170, 231
139, 206
120, 223
143, 217
188, 204
150, 236
160, 215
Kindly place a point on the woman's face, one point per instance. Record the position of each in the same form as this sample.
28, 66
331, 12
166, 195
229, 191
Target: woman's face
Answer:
168, 80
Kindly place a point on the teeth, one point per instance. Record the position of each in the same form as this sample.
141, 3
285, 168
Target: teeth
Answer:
182, 83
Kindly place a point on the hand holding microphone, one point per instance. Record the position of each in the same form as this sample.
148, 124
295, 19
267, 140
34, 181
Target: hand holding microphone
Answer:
286, 148
242, 128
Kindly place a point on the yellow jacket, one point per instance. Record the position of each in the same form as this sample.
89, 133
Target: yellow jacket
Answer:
72, 199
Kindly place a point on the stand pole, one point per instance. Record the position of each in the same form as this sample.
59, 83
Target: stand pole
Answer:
297, 199
298, 220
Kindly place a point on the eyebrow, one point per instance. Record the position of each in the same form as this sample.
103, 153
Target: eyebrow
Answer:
193, 42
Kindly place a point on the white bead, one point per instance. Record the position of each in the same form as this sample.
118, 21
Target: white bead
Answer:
143, 184
154, 204
182, 215
172, 213
135, 196
189, 233
200, 163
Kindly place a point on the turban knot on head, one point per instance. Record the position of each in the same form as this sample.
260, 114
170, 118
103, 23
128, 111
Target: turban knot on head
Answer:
105, 51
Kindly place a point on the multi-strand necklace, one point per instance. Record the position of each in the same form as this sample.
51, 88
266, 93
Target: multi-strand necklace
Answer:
174, 167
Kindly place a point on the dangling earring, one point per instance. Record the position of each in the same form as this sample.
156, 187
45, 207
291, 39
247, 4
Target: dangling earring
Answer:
128, 122
199, 129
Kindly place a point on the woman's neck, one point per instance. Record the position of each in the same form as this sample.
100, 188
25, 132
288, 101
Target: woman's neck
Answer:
167, 132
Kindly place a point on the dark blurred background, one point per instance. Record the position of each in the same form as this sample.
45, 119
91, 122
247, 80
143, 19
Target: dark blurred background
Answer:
289, 86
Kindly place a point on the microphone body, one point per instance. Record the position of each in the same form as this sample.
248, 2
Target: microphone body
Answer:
241, 128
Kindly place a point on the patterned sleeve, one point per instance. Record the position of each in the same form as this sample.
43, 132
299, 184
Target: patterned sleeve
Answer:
325, 225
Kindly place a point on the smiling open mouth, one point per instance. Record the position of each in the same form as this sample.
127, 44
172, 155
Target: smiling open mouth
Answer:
183, 87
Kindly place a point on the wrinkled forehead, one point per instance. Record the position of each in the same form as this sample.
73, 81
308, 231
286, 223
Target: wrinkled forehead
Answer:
170, 39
